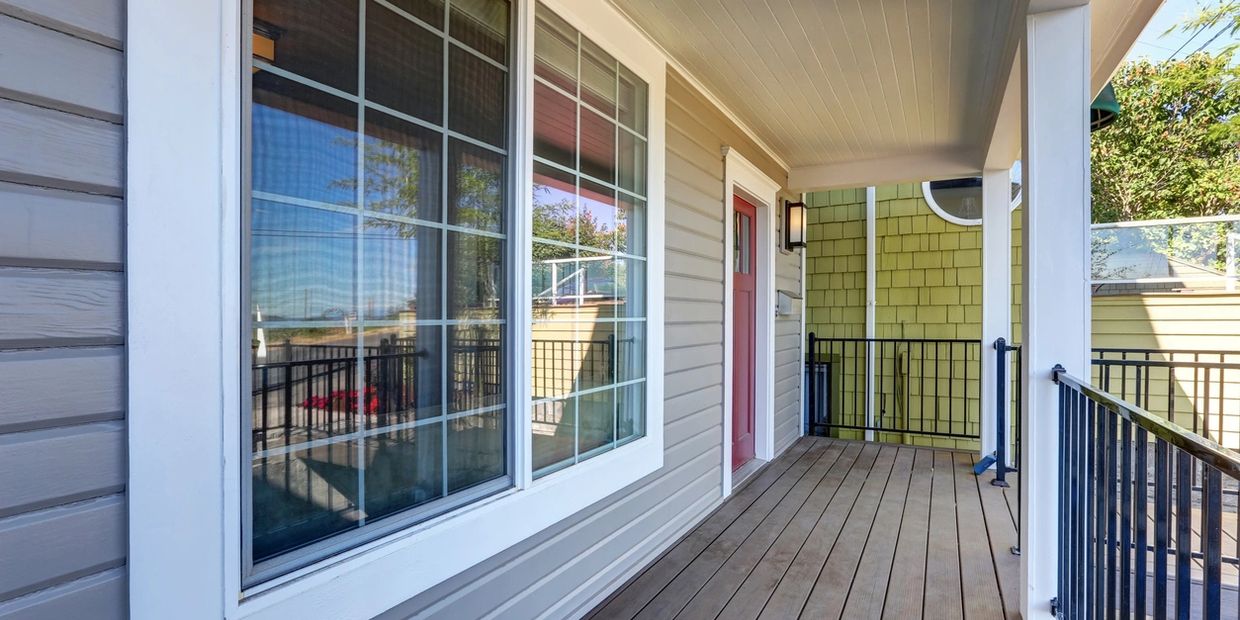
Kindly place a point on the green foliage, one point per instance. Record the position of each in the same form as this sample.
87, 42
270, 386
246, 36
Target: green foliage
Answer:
1175, 150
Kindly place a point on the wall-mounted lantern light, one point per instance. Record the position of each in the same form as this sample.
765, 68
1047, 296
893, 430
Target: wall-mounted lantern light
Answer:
794, 225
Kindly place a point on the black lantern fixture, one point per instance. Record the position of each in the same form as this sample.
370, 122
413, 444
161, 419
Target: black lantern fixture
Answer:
794, 225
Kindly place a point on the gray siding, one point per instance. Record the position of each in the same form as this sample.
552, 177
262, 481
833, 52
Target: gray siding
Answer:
565, 570
62, 415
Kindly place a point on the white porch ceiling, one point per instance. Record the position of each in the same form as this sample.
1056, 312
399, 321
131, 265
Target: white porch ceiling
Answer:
855, 92
834, 81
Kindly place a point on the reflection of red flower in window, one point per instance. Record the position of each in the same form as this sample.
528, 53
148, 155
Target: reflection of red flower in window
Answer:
344, 400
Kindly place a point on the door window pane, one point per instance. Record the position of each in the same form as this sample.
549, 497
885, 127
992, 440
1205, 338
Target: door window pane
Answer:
378, 381
589, 271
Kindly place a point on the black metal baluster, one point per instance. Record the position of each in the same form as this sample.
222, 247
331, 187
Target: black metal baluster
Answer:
1125, 519
1212, 543
1183, 534
1139, 517
1100, 507
1112, 572
1092, 534
1162, 525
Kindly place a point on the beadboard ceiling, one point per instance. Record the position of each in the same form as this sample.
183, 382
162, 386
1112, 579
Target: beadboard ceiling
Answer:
822, 81
828, 82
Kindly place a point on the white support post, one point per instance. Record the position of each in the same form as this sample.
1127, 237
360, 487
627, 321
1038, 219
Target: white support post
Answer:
1056, 74
996, 291
871, 304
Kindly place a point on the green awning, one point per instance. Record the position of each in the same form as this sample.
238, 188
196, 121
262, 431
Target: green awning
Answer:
1104, 110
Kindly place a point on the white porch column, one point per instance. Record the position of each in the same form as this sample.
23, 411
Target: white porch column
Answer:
1055, 72
996, 290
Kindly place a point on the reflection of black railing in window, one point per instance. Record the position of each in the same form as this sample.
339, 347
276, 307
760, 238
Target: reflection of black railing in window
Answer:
311, 392
308, 392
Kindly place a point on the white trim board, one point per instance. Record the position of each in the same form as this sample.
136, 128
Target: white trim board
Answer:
743, 178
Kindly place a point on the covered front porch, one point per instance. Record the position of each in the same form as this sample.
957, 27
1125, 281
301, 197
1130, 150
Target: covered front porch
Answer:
843, 529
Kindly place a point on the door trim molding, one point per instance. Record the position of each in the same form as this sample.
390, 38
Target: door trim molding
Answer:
742, 178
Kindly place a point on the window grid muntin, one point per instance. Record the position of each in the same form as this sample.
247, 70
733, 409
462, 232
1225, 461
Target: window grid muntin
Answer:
307, 553
578, 248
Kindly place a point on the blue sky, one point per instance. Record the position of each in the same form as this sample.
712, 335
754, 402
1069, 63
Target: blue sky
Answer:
1154, 45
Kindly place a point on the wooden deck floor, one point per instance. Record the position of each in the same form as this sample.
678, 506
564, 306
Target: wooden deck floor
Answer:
841, 529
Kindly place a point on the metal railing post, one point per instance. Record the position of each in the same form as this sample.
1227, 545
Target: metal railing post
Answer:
811, 396
1001, 467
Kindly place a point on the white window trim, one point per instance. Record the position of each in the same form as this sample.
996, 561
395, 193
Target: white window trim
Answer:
743, 178
184, 71
939, 211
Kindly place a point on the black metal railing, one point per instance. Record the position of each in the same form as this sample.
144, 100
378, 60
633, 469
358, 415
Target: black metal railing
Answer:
921, 387
1198, 390
1145, 508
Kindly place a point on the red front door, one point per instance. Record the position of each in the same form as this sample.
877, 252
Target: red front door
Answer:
744, 264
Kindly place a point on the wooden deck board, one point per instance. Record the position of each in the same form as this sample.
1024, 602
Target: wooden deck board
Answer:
944, 592
977, 564
1002, 534
907, 584
752, 595
869, 587
673, 598
792, 591
831, 590
712, 598
629, 600
841, 529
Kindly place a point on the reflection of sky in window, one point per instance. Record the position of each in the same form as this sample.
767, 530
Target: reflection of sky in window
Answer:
302, 262
550, 194
599, 204
302, 157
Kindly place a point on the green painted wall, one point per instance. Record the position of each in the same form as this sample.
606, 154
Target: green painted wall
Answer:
928, 286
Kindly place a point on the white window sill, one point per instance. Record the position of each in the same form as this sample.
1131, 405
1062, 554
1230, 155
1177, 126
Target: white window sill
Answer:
380, 575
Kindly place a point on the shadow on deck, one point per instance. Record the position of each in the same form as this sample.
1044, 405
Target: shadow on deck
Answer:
842, 529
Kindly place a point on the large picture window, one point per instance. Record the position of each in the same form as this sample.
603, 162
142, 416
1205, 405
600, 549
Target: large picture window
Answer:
589, 248
377, 265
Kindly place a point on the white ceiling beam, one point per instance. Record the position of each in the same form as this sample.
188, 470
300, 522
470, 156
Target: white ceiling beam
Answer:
946, 164
1003, 149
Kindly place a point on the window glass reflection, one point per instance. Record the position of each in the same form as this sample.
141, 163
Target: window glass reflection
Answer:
378, 382
589, 267
402, 167
304, 142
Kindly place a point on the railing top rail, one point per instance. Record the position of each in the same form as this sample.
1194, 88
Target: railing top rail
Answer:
1197, 446
1164, 351
925, 340
1143, 363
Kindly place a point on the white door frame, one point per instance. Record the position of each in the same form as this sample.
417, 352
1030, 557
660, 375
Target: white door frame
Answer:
742, 178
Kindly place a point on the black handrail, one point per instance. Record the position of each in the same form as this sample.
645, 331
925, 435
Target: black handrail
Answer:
1200, 448
1122, 471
